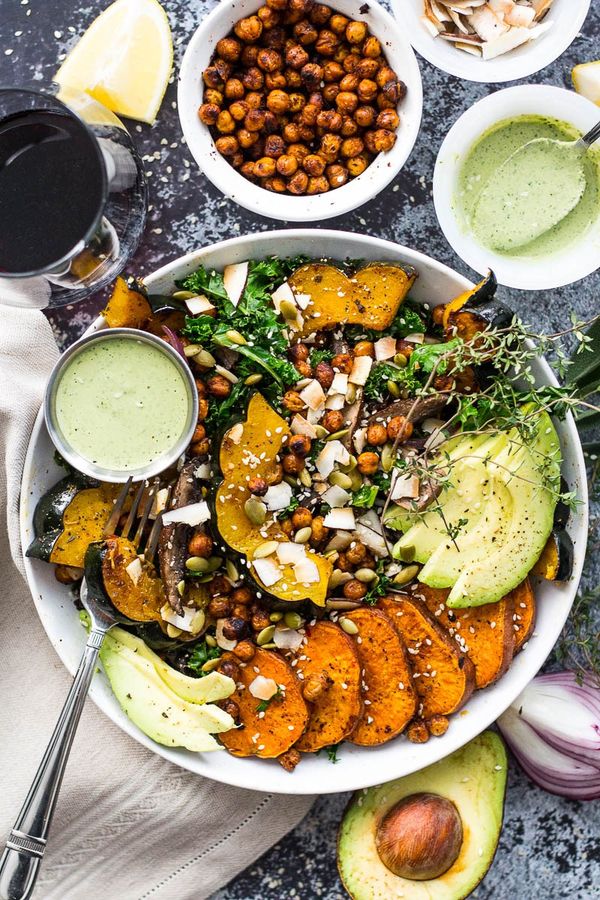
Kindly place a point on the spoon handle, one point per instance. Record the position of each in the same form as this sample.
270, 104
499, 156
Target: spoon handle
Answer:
22, 857
592, 135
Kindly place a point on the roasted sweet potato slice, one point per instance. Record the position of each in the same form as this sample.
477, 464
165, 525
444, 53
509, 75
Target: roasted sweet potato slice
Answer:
268, 729
485, 633
443, 676
371, 297
331, 655
390, 699
524, 613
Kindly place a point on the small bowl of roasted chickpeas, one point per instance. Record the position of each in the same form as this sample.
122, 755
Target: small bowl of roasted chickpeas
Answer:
298, 110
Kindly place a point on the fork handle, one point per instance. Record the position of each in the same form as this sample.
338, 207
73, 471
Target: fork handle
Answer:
22, 857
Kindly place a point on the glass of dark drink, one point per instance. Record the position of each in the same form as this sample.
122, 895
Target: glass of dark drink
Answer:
72, 196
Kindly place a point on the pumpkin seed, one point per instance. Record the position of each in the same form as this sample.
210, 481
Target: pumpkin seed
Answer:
337, 435
255, 510
276, 617
269, 646
204, 358
253, 379
267, 548
291, 480
305, 478
210, 640
393, 389
288, 310
342, 604
407, 574
351, 393
211, 664
203, 579
401, 359
192, 350
331, 555
293, 620
348, 625
351, 464
235, 337
214, 563
197, 623
356, 479
181, 588
265, 636
388, 457
303, 535
340, 479
321, 432
173, 631
338, 578
229, 376
231, 569
183, 295
365, 575
196, 564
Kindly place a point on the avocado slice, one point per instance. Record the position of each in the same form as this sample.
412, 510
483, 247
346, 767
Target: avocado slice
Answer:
151, 704
474, 780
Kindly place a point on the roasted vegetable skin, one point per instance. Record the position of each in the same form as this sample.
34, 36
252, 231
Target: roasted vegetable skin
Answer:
556, 561
475, 311
107, 576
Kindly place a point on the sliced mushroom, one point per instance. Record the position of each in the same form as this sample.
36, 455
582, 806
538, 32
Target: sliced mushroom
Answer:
416, 410
173, 539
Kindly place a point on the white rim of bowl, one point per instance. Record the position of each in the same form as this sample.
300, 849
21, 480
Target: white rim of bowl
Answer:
471, 68
286, 207
527, 273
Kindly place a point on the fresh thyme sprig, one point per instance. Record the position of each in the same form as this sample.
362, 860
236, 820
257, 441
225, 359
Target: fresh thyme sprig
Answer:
579, 646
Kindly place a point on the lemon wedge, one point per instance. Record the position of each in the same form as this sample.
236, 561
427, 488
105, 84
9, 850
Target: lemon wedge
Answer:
586, 80
124, 59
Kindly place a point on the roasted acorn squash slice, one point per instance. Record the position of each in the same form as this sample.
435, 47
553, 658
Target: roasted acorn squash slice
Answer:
250, 448
116, 574
371, 297
556, 561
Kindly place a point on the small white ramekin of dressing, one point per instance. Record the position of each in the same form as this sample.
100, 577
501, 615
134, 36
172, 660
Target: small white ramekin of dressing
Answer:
121, 403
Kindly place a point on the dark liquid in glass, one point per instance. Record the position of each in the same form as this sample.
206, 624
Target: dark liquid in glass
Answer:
51, 189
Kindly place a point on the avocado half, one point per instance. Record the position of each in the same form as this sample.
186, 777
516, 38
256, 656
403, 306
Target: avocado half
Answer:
474, 780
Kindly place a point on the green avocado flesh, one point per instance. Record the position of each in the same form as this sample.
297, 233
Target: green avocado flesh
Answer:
169, 707
498, 506
474, 779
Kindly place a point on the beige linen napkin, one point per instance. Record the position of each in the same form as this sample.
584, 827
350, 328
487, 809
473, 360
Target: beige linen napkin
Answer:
128, 825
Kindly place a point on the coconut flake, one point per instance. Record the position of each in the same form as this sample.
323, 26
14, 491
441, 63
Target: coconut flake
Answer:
336, 497
290, 553
333, 452
267, 570
306, 571
313, 394
339, 385
235, 277
300, 425
405, 486
263, 688
159, 504
283, 292
360, 439
193, 514
278, 496
191, 621
200, 306
360, 370
340, 518
336, 401
369, 531
385, 348
287, 638
134, 569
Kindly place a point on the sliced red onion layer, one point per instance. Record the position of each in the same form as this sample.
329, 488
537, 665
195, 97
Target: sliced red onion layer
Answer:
553, 729
175, 342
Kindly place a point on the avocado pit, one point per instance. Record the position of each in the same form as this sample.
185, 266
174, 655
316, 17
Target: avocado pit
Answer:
420, 837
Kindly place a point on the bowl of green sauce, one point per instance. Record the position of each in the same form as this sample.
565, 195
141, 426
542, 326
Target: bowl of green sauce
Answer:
121, 403
532, 216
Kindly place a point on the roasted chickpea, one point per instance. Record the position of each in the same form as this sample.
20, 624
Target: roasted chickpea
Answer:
275, 476
291, 133
225, 122
343, 362
300, 444
253, 79
219, 608
292, 464
437, 314
417, 732
301, 518
219, 585
343, 563
287, 527
269, 60
336, 175
246, 138
202, 409
364, 348
308, 115
333, 420
346, 102
327, 43
299, 352
340, 54
274, 146
399, 428
330, 92
275, 81
297, 185
213, 96
287, 165
367, 90
304, 368
319, 532
229, 49
200, 448
237, 160
248, 30
260, 619
324, 374
313, 165
332, 71
313, 687
218, 386
367, 68
367, 463
295, 103
352, 146
317, 185
385, 75
245, 650
365, 116
223, 68
211, 78
227, 146
200, 545
380, 141
316, 99
356, 553
255, 119
254, 99
307, 135
329, 119
249, 54
293, 80
377, 435
242, 596
438, 725
68, 574
319, 14
275, 184
351, 62
298, 150
371, 48
312, 75
293, 401
264, 167
394, 91
296, 56
349, 82
272, 124
330, 147
357, 165
356, 32
274, 38
269, 17
277, 4
305, 33
388, 119
349, 127
234, 89
199, 433
208, 113
238, 110
354, 590
338, 23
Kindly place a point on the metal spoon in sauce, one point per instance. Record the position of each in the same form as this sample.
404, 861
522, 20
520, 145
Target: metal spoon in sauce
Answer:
532, 191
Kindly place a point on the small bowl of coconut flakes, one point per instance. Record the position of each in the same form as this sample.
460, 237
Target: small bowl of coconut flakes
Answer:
491, 40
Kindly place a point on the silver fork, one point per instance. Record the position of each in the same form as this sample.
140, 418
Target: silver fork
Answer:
22, 857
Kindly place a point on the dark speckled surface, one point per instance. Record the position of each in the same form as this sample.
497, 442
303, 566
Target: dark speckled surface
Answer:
550, 848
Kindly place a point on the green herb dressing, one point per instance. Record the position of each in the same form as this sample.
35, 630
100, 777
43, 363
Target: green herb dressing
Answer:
536, 203
121, 403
